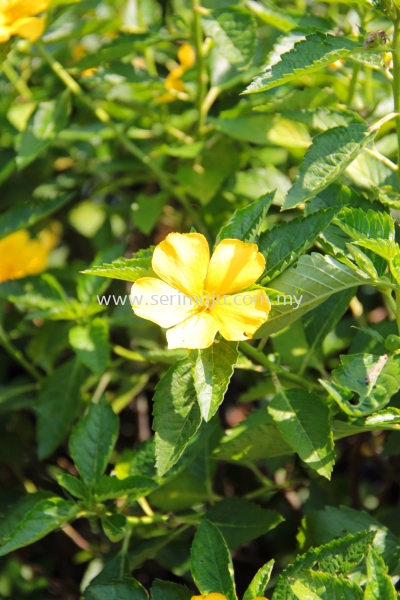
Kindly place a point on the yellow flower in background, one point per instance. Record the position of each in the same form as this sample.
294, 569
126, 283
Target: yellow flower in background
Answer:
18, 17
186, 57
21, 256
197, 297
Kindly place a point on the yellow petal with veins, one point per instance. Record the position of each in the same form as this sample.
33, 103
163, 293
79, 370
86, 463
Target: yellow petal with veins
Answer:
181, 260
239, 316
156, 301
233, 267
198, 331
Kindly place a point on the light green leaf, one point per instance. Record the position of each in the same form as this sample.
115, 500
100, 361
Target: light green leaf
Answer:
127, 269
57, 406
134, 486
176, 414
387, 249
271, 15
255, 438
212, 369
166, 590
91, 345
241, 521
361, 225
283, 244
330, 154
25, 214
375, 379
90, 286
338, 557
147, 210
92, 441
46, 122
323, 526
303, 420
311, 281
48, 514
259, 582
233, 32
321, 586
379, 586
386, 419
245, 222
119, 589
323, 118
308, 56
72, 484
115, 527
211, 563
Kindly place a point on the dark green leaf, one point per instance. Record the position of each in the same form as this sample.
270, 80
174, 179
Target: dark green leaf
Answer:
283, 244
57, 406
92, 441
165, 590
212, 369
245, 222
45, 516
122, 589
176, 414
211, 563
303, 420
72, 484
241, 521
134, 486
115, 527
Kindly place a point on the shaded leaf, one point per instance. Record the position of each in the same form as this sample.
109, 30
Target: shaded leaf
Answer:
245, 222
91, 345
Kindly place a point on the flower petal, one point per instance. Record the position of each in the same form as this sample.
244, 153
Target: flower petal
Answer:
157, 301
198, 331
30, 28
233, 267
240, 316
182, 260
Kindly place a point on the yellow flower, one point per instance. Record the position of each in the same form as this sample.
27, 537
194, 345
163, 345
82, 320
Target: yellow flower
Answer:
216, 596
197, 296
173, 82
20, 256
17, 17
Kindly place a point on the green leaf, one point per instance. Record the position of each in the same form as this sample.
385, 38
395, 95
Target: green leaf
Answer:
375, 379
311, 281
48, 514
127, 269
16, 513
259, 582
119, 589
46, 122
245, 222
212, 369
211, 563
379, 586
330, 154
25, 214
115, 527
387, 249
166, 590
91, 345
134, 486
321, 586
92, 441
89, 287
323, 526
72, 484
241, 521
283, 244
176, 414
255, 438
386, 419
338, 557
57, 406
147, 210
308, 56
303, 420
359, 224
233, 32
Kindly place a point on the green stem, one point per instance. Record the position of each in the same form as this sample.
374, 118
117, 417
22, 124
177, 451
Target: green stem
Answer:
17, 355
353, 82
396, 79
263, 360
200, 64
397, 310
124, 551
16, 80
104, 117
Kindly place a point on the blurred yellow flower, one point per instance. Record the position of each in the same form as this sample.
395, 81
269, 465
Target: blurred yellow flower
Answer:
21, 256
173, 82
197, 297
17, 17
